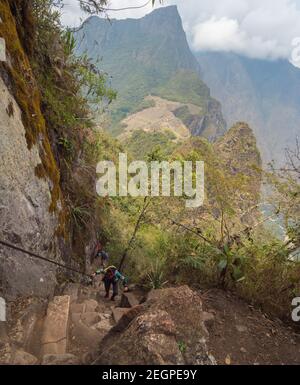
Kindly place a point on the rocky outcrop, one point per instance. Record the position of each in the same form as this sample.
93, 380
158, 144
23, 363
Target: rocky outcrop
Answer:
158, 333
211, 125
264, 93
239, 152
25, 220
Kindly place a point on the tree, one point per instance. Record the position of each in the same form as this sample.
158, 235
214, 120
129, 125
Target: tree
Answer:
286, 197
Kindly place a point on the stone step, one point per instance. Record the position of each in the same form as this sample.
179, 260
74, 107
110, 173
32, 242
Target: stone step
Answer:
128, 300
72, 289
118, 313
55, 331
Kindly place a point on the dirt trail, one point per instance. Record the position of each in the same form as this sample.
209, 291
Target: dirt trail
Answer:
243, 335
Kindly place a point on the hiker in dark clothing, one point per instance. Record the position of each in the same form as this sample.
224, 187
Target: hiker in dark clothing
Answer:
111, 278
99, 256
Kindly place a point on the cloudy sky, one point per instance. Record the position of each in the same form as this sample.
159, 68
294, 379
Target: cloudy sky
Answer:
255, 28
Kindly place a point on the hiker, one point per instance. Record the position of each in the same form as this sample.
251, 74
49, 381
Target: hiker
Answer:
111, 278
99, 257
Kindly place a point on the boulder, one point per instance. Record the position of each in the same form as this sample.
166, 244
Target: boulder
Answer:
25, 332
24, 358
103, 326
128, 300
6, 353
90, 318
128, 316
86, 335
208, 319
118, 313
156, 343
89, 357
90, 305
60, 359
155, 332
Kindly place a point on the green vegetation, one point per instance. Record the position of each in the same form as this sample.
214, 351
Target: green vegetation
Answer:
183, 113
141, 143
144, 105
24, 88
185, 87
182, 346
212, 246
56, 92
156, 275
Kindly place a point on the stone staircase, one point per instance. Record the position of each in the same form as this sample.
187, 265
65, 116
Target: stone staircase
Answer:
65, 331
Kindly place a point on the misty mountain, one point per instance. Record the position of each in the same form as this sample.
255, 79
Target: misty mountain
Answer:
151, 57
265, 94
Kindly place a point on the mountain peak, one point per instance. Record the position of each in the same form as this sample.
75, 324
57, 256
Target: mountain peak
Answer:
151, 56
167, 13
170, 10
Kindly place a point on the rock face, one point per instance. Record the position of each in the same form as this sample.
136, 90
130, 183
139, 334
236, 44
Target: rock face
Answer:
159, 334
264, 93
25, 220
211, 125
239, 151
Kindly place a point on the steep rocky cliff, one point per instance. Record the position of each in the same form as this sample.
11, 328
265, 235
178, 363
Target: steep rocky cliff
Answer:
263, 93
25, 200
239, 152
29, 178
42, 153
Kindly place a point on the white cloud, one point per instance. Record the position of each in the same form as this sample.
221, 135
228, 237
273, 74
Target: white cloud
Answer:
295, 57
220, 34
255, 28
226, 34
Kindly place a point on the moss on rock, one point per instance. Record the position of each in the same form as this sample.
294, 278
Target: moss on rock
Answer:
26, 92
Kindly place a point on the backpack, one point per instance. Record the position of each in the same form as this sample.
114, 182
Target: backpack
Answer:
110, 274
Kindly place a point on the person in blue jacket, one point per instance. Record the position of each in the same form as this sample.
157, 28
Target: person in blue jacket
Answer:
111, 278
99, 256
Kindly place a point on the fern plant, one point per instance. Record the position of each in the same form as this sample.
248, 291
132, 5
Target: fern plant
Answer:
156, 275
